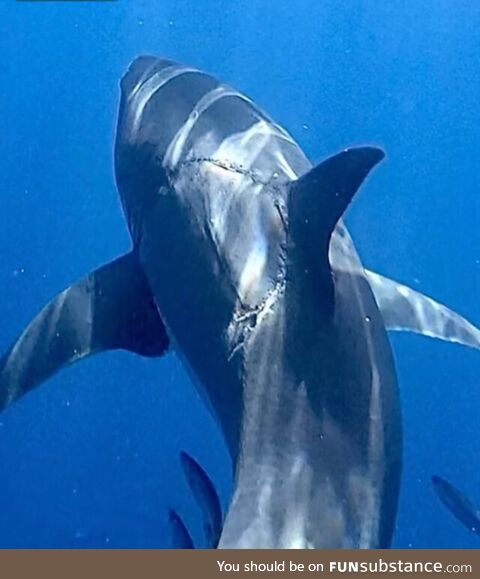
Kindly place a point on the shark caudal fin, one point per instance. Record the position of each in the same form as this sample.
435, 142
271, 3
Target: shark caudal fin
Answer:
457, 503
404, 309
316, 203
111, 308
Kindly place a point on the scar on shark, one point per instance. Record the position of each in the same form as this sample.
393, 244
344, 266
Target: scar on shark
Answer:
242, 265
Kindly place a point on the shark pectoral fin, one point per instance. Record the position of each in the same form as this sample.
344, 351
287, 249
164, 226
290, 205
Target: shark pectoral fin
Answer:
404, 309
111, 308
316, 203
206, 497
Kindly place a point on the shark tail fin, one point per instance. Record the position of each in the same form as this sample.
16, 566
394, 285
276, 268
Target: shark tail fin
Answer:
317, 201
111, 308
405, 309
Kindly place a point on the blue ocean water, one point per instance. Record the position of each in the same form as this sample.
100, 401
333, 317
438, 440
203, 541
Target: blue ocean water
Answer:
91, 459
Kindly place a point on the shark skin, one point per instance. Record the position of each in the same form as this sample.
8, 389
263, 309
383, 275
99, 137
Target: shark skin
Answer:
310, 414
241, 263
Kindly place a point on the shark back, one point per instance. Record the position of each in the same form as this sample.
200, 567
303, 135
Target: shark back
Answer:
196, 156
242, 265
267, 333
173, 115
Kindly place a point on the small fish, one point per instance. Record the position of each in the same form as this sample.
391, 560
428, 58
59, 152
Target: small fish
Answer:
458, 504
181, 538
206, 497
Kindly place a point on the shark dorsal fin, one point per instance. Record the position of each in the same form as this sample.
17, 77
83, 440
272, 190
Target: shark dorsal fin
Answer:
316, 203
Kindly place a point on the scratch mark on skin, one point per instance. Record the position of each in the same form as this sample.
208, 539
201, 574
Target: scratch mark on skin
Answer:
245, 322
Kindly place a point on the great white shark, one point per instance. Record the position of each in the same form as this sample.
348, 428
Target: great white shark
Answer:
242, 264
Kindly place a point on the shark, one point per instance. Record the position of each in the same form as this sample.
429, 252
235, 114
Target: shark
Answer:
241, 264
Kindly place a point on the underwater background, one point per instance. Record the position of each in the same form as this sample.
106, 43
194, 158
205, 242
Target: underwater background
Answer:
92, 458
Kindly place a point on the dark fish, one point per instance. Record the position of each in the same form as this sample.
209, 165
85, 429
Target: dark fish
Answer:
206, 496
181, 538
458, 504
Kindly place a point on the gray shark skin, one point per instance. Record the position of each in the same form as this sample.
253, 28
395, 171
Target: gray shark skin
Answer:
241, 263
310, 415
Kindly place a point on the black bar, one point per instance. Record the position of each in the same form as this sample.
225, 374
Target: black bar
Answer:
66, 1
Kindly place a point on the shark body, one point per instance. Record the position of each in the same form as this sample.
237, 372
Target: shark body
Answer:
241, 263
